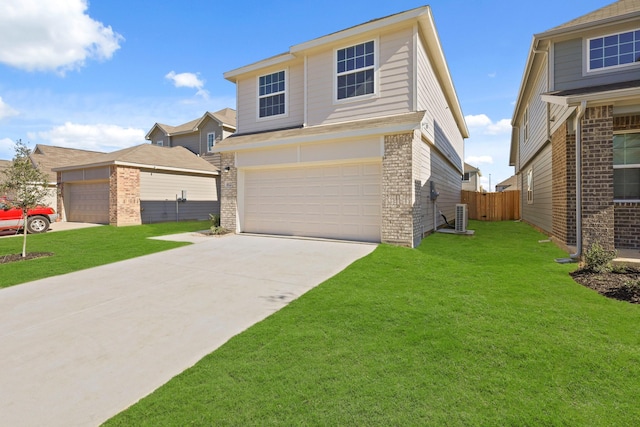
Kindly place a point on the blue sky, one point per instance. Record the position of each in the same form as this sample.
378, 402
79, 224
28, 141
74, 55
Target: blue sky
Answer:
97, 75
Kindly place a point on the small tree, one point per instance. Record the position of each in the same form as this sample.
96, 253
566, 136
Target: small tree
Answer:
24, 185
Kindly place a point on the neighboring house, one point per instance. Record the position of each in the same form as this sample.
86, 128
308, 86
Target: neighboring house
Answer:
48, 157
509, 184
198, 136
576, 130
344, 136
471, 178
141, 184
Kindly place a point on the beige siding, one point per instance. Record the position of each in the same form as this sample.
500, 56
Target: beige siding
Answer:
538, 213
442, 128
158, 192
538, 123
162, 186
247, 90
189, 141
92, 174
394, 83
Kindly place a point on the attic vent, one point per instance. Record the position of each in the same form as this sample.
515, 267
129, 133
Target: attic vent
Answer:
461, 218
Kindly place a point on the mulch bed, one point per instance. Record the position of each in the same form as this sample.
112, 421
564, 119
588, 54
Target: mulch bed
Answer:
5, 259
623, 285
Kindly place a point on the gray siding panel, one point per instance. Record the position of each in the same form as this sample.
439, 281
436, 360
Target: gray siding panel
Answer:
568, 68
538, 130
165, 210
539, 212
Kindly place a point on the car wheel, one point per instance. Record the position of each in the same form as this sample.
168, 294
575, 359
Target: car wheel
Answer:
37, 224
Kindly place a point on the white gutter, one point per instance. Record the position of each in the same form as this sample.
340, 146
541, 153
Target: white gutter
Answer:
579, 116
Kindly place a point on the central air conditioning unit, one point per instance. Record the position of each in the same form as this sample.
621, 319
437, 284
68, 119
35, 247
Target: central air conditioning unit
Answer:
461, 218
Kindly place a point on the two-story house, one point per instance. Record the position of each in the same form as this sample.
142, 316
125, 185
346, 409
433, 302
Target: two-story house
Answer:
198, 136
345, 136
576, 130
471, 178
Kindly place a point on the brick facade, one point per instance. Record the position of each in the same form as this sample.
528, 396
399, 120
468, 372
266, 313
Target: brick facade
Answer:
228, 191
124, 196
597, 177
398, 211
563, 152
627, 214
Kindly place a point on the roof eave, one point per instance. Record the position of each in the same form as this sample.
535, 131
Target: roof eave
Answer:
571, 100
136, 165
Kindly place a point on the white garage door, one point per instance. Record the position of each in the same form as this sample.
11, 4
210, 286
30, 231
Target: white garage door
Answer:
88, 202
338, 201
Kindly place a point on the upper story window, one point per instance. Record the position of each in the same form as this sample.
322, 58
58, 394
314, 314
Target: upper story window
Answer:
626, 166
211, 141
271, 98
465, 176
525, 125
614, 50
530, 186
159, 143
355, 67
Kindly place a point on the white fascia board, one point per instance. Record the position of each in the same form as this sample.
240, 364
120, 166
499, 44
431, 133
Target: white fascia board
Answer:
321, 137
611, 95
274, 60
135, 165
360, 29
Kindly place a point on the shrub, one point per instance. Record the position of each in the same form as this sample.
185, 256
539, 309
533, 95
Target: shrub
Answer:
215, 228
597, 259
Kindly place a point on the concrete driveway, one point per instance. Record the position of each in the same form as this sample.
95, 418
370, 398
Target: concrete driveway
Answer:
79, 348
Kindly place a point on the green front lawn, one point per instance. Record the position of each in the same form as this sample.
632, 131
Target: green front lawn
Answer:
87, 247
463, 331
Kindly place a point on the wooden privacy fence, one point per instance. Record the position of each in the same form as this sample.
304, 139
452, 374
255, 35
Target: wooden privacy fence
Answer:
503, 206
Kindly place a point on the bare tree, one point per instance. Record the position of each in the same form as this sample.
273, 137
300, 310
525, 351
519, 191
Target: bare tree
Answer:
24, 185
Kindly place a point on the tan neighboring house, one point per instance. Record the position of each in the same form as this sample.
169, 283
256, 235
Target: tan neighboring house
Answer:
141, 184
509, 184
198, 136
344, 136
576, 130
471, 179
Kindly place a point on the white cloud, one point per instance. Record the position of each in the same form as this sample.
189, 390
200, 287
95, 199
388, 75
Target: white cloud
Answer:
98, 137
483, 124
6, 110
190, 80
7, 149
479, 160
52, 35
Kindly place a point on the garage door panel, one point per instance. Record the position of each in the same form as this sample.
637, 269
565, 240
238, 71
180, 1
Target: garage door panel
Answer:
335, 201
87, 202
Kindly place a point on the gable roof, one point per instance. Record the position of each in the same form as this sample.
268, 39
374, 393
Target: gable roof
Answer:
469, 168
48, 157
225, 117
420, 16
615, 12
150, 156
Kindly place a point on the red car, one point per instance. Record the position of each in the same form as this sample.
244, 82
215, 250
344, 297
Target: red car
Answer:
38, 218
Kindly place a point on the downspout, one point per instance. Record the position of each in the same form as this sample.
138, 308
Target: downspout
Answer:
579, 116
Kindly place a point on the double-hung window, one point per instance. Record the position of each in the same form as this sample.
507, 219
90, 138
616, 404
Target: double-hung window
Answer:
614, 50
211, 141
355, 68
530, 186
626, 166
272, 91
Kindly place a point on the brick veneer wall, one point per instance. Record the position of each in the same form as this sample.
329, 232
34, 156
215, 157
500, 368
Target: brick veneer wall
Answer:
124, 196
397, 190
627, 214
228, 192
597, 177
563, 152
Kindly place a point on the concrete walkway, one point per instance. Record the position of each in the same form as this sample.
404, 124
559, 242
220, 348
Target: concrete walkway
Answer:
79, 348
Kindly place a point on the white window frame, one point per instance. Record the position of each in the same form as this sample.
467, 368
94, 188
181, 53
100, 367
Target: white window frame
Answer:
604, 69
525, 124
285, 92
211, 141
160, 143
629, 166
374, 67
530, 186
